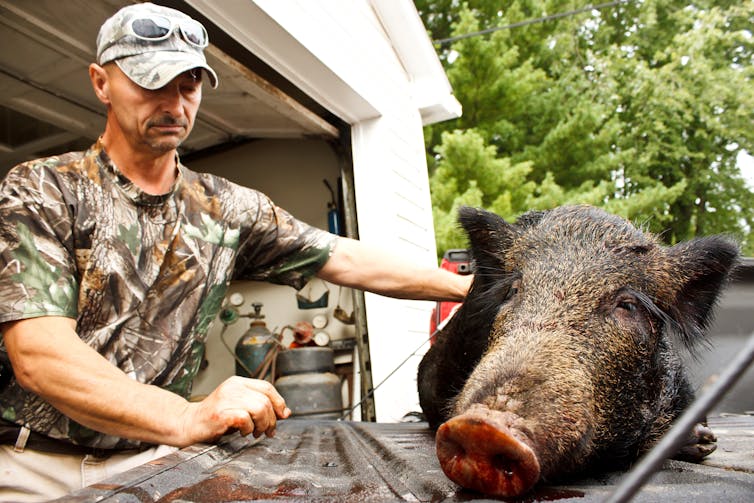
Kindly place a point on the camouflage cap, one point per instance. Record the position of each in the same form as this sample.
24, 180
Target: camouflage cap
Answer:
150, 63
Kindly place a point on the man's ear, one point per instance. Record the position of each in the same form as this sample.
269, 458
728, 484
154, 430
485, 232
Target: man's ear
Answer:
100, 83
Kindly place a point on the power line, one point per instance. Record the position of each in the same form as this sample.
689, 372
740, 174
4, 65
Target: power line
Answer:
532, 21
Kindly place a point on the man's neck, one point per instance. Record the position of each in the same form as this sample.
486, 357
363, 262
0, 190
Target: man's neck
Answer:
154, 173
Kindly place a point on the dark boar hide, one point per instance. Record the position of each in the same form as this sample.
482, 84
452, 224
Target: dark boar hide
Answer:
561, 358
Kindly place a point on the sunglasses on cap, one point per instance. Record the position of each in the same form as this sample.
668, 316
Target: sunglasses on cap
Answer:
154, 28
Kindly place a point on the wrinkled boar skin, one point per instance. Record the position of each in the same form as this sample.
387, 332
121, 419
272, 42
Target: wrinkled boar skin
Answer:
560, 361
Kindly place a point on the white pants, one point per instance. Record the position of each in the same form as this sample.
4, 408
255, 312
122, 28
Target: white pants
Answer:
40, 476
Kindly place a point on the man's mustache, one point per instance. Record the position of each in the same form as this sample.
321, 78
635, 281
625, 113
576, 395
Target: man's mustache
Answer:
167, 120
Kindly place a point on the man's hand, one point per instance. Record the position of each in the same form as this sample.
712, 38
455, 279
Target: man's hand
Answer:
249, 406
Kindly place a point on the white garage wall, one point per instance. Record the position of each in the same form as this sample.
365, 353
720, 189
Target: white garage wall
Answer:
392, 200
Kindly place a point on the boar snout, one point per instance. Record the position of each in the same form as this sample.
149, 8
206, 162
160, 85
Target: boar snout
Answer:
482, 449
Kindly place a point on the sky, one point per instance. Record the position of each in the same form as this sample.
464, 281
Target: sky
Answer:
746, 163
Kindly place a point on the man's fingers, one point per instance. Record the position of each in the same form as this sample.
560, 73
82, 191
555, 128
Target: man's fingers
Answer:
277, 401
238, 419
262, 414
249, 428
249, 406
254, 416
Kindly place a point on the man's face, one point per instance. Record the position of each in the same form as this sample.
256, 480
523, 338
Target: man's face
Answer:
155, 120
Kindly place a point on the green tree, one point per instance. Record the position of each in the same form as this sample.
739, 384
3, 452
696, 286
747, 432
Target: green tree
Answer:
641, 108
470, 173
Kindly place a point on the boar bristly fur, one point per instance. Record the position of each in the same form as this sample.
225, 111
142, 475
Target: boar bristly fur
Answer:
568, 340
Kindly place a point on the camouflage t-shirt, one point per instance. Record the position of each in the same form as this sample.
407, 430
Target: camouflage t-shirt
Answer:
143, 275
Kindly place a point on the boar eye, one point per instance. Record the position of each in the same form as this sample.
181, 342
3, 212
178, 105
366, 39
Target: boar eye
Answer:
513, 290
627, 305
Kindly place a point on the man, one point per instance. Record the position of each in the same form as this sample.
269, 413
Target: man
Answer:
114, 261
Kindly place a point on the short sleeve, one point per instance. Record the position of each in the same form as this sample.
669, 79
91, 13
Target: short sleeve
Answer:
37, 266
278, 248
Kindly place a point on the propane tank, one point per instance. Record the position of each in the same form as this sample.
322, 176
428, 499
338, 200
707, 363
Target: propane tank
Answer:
308, 384
254, 350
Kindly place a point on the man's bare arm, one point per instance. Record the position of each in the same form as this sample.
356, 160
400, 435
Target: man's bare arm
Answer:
379, 271
50, 360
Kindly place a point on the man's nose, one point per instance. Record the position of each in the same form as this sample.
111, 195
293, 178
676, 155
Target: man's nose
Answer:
171, 100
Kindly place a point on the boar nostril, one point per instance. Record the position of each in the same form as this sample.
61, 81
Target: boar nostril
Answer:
503, 465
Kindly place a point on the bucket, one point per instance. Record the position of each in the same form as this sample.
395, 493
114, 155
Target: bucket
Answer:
308, 384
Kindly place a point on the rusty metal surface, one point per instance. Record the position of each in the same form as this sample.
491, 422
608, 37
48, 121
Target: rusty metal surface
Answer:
312, 460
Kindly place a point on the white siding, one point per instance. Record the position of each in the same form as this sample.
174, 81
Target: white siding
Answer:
393, 205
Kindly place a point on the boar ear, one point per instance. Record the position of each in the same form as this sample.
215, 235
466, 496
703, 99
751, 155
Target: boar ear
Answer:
489, 237
704, 264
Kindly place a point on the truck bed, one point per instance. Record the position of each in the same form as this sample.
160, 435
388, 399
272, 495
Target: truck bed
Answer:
319, 460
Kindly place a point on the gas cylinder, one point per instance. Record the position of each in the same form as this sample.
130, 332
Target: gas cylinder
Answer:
308, 384
255, 347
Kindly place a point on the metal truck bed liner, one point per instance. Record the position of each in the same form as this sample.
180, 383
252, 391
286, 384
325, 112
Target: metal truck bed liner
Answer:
319, 460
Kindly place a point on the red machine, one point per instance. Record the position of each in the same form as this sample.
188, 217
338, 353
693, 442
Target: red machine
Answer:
456, 261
